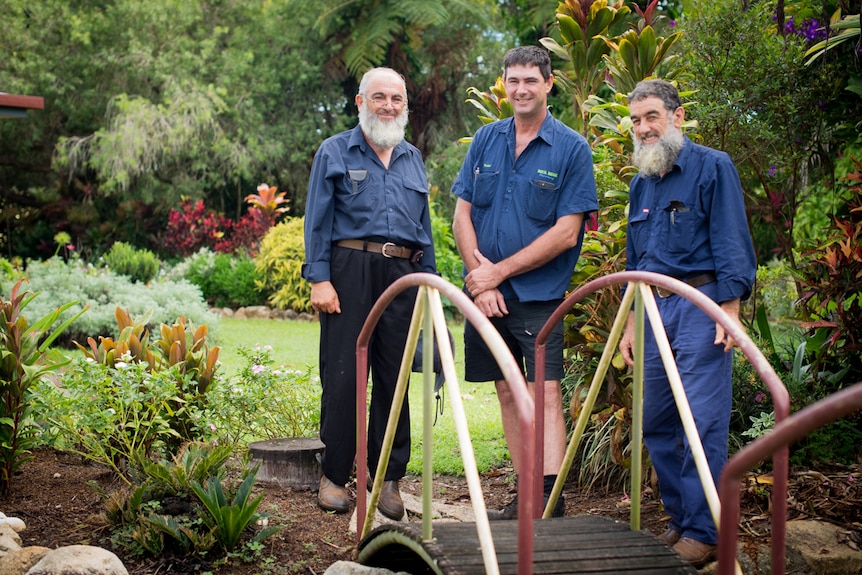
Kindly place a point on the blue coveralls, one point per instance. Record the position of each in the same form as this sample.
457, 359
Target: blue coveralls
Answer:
686, 223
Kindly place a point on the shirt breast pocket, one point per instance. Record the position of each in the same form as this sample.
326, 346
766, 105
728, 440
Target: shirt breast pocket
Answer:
356, 181
681, 224
639, 230
542, 202
484, 188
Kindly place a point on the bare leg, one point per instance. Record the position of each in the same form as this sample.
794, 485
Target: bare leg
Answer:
555, 429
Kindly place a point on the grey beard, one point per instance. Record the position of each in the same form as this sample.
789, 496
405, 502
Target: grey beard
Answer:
658, 158
382, 134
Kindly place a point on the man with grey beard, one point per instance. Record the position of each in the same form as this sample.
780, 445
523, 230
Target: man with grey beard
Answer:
686, 220
367, 223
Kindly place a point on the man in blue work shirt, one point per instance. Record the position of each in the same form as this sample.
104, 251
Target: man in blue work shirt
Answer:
367, 223
686, 220
523, 192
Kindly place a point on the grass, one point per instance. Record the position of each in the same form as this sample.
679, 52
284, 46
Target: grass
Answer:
295, 345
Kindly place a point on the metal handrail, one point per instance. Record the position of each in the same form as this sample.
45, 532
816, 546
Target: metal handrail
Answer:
430, 286
794, 428
643, 297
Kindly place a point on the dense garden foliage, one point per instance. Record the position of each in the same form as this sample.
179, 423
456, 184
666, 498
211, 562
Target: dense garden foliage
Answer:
134, 203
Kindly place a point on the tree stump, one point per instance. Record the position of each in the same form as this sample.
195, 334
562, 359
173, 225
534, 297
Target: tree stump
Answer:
290, 462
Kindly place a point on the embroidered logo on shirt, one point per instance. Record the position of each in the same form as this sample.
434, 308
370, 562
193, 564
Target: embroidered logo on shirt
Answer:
486, 165
547, 173
645, 210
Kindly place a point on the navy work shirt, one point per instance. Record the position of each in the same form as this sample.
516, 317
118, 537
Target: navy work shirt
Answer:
513, 202
351, 195
692, 220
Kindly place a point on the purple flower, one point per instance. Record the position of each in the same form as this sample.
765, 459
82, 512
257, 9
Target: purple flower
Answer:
672, 23
759, 397
772, 170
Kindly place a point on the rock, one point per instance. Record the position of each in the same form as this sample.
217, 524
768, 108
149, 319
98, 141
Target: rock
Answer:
348, 568
20, 561
252, 312
813, 547
9, 539
78, 560
13, 522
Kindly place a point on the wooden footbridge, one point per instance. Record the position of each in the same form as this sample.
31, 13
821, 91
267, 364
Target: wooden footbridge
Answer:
581, 544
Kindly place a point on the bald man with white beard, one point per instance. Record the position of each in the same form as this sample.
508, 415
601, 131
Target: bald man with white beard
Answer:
367, 223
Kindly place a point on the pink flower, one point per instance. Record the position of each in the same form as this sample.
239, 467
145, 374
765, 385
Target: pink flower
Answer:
263, 188
256, 369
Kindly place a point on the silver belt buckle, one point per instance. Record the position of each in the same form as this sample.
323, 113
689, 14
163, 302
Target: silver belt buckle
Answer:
383, 249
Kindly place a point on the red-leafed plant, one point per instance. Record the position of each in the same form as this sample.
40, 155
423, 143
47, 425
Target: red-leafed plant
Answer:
832, 290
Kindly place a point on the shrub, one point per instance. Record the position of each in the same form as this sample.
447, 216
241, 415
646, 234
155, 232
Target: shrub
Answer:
103, 291
192, 227
24, 360
185, 505
139, 265
107, 414
124, 398
279, 266
224, 280
291, 397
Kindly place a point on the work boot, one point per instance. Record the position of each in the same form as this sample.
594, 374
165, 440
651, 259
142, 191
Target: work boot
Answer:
510, 510
669, 537
694, 552
390, 503
332, 497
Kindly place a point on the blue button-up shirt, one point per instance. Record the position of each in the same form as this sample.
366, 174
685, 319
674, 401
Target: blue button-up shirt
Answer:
351, 195
692, 220
513, 202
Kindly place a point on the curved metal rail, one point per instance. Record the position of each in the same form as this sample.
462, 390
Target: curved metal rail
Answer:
792, 429
642, 296
529, 410
430, 287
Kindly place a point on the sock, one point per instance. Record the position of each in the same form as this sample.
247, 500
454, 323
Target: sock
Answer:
549, 481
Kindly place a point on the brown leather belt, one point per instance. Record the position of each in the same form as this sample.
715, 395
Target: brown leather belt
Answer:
693, 281
388, 250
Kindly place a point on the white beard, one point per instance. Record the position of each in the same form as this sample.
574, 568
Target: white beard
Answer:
382, 134
657, 158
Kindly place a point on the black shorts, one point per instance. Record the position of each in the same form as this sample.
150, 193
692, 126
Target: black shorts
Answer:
519, 329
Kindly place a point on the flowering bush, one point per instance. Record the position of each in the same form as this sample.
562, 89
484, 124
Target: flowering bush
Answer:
109, 414
263, 402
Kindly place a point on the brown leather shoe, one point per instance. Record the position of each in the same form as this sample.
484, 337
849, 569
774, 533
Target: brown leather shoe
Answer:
390, 503
695, 552
332, 497
669, 537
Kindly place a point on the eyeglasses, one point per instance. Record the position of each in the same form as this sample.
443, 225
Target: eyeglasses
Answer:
380, 100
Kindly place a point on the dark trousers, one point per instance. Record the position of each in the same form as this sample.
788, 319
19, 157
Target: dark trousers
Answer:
359, 279
705, 370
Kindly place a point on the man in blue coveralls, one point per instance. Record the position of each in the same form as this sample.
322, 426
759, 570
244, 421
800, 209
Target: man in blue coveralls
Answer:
523, 192
367, 223
686, 220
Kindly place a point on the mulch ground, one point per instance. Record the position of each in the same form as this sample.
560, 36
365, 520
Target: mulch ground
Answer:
55, 497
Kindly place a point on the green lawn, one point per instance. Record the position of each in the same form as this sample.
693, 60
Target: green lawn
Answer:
295, 344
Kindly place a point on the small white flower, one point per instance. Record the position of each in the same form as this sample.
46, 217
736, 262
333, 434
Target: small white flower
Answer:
121, 365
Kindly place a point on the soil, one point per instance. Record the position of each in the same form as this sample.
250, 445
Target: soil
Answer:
54, 496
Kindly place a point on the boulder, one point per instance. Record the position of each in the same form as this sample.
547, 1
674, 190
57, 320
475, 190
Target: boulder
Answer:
20, 561
79, 559
815, 547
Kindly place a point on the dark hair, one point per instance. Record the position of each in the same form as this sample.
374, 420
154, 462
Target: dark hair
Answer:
661, 89
528, 56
